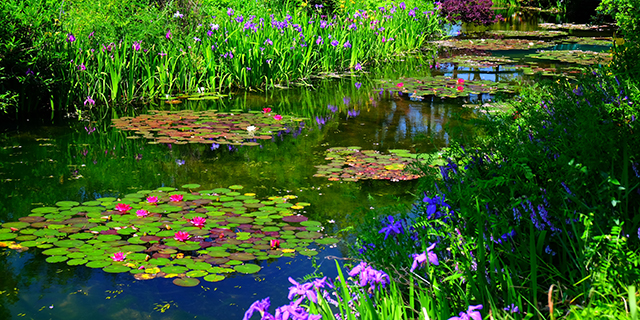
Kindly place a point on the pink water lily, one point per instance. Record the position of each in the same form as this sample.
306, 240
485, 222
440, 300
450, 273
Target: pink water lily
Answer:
198, 222
274, 243
266, 110
277, 117
142, 213
181, 236
460, 81
123, 207
460, 88
175, 197
118, 256
399, 85
152, 199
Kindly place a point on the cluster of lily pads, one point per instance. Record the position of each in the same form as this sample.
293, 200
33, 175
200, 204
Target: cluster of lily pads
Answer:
495, 44
473, 61
574, 26
444, 87
521, 34
353, 164
168, 233
192, 97
573, 56
592, 41
188, 126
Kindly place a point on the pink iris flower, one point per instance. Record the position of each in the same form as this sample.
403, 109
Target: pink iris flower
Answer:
198, 222
277, 117
142, 213
123, 207
181, 236
152, 199
460, 81
266, 110
176, 197
274, 243
118, 256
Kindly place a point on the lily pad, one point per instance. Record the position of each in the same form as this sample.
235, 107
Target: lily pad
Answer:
214, 278
247, 268
186, 282
116, 269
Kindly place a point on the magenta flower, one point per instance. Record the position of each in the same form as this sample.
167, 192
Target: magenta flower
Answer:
277, 117
175, 197
142, 213
82, 67
136, 45
471, 314
198, 222
266, 110
274, 243
460, 81
89, 101
347, 45
460, 88
152, 199
71, 37
358, 67
118, 256
168, 35
123, 207
181, 236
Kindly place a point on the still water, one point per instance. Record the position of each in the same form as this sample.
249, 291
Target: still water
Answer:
81, 160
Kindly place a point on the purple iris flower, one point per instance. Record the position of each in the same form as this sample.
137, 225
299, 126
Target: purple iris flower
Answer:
332, 108
393, 228
71, 37
30, 72
319, 41
412, 13
89, 101
136, 45
358, 85
358, 67
260, 306
239, 19
335, 43
420, 259
230, 12
302, 290
470, 314
268, 42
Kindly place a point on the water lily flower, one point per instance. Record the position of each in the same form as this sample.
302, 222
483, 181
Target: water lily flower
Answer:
89, 101
470, 314
175, 197
152, 199
198, 222
251, 129
181, 236
123, 207
460, 88
274, 243
277, 117
420, 259
266, 110
399, 85
118, 256
460, 81
142, 213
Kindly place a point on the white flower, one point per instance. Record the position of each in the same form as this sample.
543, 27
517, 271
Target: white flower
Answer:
178, 15
251, 129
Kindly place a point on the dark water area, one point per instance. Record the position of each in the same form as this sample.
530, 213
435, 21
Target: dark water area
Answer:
82, 160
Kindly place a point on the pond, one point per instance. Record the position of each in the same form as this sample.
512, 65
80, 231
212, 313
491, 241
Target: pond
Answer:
393, 110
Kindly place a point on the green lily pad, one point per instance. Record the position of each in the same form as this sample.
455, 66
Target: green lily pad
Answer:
214, 278
115, 268
174, 269
55, 259
186, 282
98, 264
197, 273
247, 268
191, 186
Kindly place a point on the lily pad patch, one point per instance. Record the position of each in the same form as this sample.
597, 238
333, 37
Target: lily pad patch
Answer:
175, 239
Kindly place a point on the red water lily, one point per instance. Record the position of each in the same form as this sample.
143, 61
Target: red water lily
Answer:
123, 207
399, 85
266, 110
277, 117
181, 236
152, 199
198, 222
460, 88
460, 81
175, 197
118, 256
142, 213
274, 243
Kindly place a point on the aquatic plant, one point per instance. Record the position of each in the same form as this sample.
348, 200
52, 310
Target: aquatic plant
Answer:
445, 87
470, 11
353, 164
204, 235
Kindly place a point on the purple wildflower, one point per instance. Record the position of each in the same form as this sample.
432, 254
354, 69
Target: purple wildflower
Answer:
335, 43
268, 42
230, 12
89, 101
393, 228
470, 314
358, 67
168, 35
304, 290
358, 85
136, 45
82, 67
260, 306
347, 45
71, 37
420, 259
319, 41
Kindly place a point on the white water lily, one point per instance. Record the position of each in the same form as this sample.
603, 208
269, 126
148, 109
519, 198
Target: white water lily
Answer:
251, 129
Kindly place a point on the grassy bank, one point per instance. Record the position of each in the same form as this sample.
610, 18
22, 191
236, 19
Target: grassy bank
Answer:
105, 53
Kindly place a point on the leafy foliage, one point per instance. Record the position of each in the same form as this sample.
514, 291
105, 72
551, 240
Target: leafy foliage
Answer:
470, 11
